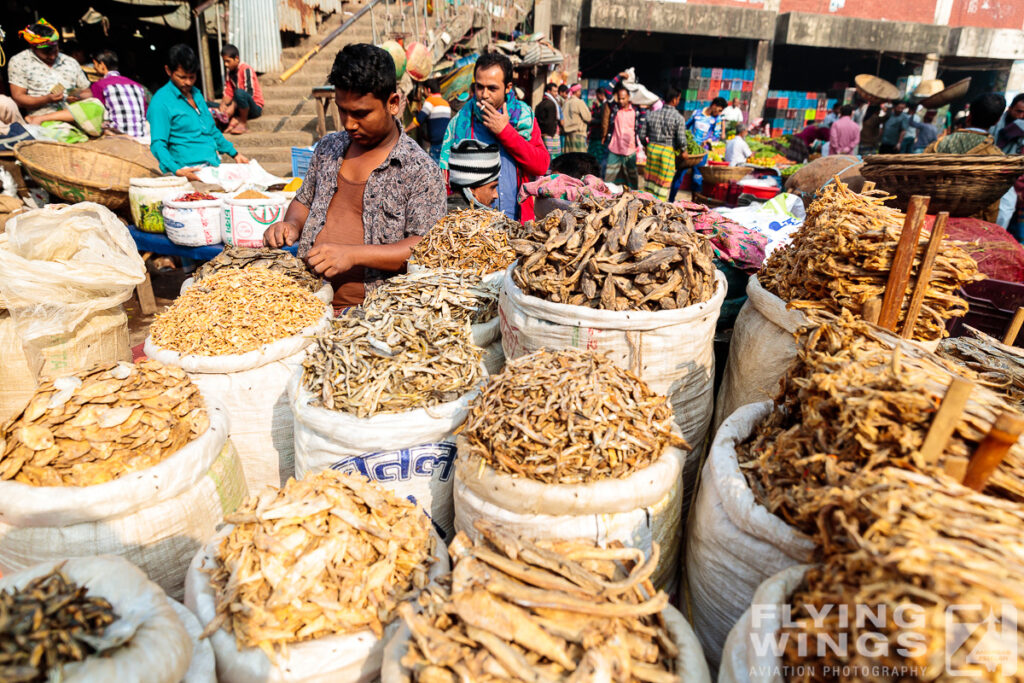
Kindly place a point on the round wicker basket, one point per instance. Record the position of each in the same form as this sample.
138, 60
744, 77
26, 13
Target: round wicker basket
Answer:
875, 89
715, 174
947, 95
685, 160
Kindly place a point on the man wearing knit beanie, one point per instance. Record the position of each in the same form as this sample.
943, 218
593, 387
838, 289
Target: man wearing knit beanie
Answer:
473, 171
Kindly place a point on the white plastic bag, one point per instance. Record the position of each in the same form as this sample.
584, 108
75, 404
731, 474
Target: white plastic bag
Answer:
238, 177
777, 219
733, 542
203, 667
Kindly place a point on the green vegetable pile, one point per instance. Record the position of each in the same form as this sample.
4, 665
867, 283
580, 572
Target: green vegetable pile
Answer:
692, 148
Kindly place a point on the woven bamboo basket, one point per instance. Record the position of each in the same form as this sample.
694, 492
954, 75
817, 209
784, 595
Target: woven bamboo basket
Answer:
714, 174
80, 174
874, 89
961, 184
685, 160
947, 95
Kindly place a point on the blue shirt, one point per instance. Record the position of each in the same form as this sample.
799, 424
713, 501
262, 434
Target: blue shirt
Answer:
704, 127
180, 135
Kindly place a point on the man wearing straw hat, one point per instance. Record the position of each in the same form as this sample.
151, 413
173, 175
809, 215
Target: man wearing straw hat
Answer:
42, 78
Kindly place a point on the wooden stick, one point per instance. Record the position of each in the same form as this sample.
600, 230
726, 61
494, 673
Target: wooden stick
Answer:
868, 186
1011, 334
872, 308
924, 275
902, 262
944, 422
993, 448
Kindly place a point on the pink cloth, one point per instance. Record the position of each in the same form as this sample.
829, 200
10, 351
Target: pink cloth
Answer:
844, 136
623, 140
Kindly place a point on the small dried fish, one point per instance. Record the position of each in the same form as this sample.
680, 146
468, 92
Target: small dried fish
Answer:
330, 554
476, 240
456, 294
568, 416
235, 311
101, 424
276, 260
997, 366
49, 622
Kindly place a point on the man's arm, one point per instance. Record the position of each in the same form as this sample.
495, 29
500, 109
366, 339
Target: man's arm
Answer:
159, 134
29, 102
531, 156
333, 259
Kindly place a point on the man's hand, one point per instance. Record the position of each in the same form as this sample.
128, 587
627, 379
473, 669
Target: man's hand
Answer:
281, 234
188, 172
241, 158
329, 260
495, 120
55, 96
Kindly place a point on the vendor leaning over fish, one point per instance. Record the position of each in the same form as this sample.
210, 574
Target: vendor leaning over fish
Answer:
357, 221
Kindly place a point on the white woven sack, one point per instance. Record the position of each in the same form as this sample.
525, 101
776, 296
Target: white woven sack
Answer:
733, 542
642, 508
690, 664
193, 224
411, 454
742, 661
159, 650
351, 658
156, 517
203, 667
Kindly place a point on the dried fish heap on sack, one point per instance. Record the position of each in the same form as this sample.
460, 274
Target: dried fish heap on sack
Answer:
308, 580
127, 459
631, 279
477, 240
383, 392
996, 366
89, 619
544, 611
265, 258
565, 442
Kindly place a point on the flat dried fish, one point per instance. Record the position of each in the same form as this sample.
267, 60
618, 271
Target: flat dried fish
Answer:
101, 424
276, 260
235, 311
457, 294
477, 240
568, 417
997, 366
328, 555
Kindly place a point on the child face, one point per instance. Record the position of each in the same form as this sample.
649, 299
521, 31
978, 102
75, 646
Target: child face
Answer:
231, 63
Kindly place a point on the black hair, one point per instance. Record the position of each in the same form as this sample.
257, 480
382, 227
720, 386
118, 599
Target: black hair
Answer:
846, 110
183, 56
490, 59
576, 165
719, 102
619, 87
550, 86
432, 85
671, 93
986, 110
229, 50
563, 88
1017, 100
108, 58
365, 70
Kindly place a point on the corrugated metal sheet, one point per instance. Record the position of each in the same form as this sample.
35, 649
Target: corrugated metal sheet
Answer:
300, 16
256, 29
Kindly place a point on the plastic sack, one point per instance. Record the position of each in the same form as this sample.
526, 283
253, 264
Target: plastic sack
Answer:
397, 53
193, 224
777, 219
238, 177
244, 221
203, 667
418, 61
159, 648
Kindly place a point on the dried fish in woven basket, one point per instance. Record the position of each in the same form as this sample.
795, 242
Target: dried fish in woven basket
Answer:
618, 254
912, 547
329, 554
368, 363
456, 294
851, 402
841, 257
275, 260
541, 611
998, 366
49, 622
477, 240
100, 424
236, 311
568, 417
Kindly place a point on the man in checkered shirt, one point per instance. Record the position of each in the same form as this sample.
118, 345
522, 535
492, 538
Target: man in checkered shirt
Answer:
124, 99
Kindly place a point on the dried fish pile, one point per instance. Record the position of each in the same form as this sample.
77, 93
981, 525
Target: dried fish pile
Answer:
390, 363
851, 403
997, 366
477, 240
541, 611
840, 259
49, 622
276, 260
235, 311
617, 254
568, 417
328, 555
454, 294
101, 424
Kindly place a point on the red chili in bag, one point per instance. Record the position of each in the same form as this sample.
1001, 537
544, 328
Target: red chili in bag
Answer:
195, 197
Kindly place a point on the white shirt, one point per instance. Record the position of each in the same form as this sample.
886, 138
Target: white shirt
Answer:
732, 113
737, 151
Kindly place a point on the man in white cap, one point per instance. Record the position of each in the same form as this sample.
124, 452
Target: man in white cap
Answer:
473, 172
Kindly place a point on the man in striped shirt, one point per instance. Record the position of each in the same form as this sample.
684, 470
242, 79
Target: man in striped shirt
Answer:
243, 96
124, 99
435, 115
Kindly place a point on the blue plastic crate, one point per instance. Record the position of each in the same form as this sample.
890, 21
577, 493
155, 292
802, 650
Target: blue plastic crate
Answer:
301, 157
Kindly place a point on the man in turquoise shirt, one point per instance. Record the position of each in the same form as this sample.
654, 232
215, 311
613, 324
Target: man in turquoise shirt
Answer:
183, 135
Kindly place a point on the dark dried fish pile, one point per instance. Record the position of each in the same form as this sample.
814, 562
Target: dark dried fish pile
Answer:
568, 417
392, 362
541, 612
840, 259
456, 294
851, 403
101, 424
617, 254
477, 240
277, 260
997, 366
49, 622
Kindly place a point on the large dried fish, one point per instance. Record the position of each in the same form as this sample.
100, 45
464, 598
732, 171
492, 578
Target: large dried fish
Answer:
617, 254
276, 260
841, 257
235, 311
568, 417
998, 366
456, 294
101, 424
330, 554
476, 240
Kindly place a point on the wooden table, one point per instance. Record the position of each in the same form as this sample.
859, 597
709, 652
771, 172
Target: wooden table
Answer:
323, 95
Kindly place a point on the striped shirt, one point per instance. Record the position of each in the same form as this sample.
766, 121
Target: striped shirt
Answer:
125, 101
435, 115
244, 77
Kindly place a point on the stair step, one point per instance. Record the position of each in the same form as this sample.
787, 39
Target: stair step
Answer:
286, 92
281, 124
256, 140
279, 106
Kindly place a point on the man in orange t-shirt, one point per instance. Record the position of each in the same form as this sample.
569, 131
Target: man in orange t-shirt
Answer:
243, 96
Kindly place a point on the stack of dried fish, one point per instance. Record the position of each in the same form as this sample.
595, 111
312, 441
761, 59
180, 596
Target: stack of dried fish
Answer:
851, 403
617, 254
541, 611
568, 417
236, 311
277, 260
328, 555
841, 257
474, 239
454, 294
997, 366
49, 622
101, 424
390, 363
